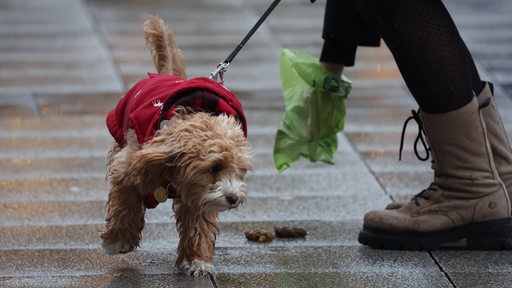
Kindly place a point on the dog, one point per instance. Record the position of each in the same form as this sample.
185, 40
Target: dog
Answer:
180, 139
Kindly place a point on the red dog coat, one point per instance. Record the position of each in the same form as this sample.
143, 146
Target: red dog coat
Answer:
141, 106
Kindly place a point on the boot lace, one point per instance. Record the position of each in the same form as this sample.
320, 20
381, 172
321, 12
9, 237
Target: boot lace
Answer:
423, 195
419, 137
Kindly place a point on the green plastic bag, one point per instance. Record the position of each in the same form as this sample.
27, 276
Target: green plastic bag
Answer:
314, 110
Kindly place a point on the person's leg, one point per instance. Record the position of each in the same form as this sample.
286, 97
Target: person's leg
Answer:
429, 52
467, 198
436, 65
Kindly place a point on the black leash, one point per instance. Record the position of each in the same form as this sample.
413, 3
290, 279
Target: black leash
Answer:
222, 67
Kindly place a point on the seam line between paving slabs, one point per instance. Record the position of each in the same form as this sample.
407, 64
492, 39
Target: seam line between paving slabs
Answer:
446, 274
354, 147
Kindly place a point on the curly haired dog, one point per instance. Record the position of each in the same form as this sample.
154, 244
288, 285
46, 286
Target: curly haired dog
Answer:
180, 139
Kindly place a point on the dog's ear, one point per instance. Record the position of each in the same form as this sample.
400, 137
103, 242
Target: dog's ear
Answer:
155, 161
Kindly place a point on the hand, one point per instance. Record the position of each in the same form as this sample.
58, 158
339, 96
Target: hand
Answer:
334, 68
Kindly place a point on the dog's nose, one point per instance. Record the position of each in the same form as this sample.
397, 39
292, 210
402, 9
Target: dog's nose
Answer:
232, 198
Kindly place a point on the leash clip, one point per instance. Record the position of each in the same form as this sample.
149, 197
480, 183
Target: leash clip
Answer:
219, 72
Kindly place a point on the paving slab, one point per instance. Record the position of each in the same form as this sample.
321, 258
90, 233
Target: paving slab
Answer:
476, 268
75, 61
351, 265
18, 104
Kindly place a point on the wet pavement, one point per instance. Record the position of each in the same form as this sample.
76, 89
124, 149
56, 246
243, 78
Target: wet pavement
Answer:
63, 66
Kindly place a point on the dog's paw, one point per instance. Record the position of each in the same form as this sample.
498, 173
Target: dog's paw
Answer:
198, 268
116, 248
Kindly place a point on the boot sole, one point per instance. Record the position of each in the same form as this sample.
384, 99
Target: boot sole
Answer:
486, 235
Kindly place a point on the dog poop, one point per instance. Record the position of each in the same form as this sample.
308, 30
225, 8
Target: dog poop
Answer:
290, 232
259, 235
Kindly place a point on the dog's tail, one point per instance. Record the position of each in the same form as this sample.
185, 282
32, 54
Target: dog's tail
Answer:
160, 40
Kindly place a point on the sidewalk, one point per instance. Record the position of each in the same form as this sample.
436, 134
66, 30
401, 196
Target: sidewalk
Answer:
65, 63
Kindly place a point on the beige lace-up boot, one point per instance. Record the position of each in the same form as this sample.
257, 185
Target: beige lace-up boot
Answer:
466, 200
498, 140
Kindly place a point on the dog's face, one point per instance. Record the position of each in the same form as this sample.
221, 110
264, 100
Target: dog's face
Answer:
205, 157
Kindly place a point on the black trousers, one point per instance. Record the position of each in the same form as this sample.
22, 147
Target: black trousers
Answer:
426, 45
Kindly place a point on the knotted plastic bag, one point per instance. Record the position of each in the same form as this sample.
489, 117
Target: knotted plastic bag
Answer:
314, 110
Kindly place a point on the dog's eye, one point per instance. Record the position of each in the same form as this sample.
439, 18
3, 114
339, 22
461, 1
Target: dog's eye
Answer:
215, 169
